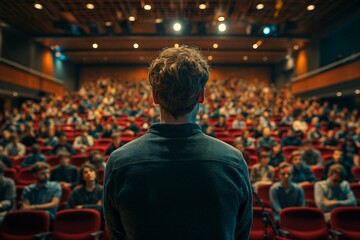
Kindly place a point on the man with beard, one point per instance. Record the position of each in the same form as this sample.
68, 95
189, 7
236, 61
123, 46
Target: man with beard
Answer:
43, 194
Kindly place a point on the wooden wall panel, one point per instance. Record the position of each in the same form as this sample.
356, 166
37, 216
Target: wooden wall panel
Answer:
339, 74
91, 73
24, 79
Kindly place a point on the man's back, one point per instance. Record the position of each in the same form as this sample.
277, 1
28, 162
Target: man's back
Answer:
177, 183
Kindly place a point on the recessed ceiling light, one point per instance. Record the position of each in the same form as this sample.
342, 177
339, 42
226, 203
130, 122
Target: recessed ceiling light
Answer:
95, 45
15, 94
357, 91
245, 58
202, 6
260, 6
38, 6
265, 59
215, 45
222, 27
147, 7
90, 6
310, 7
296, 47
339, 94
132, 18
255, 46
108, 24
136, 45
176, 45
221, 19
158, 20
210, 58
177, 27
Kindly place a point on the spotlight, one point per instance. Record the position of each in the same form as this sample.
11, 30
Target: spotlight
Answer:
210, 58
136, 45
215, 45
266, 30
95, 45
357, 91
221, 19
222, 27
147, 7
90, 6
177, 27
310, 7
202, 6
339, 94
158, 20
260, 6
176, 45
255, 46
296, 47
38, 6
132, 18
108, 24
245, 58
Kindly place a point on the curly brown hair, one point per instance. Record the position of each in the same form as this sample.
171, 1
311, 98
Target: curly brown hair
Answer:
178, 77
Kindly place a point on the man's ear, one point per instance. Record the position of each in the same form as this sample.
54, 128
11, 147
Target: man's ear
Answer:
154, 97
202, 96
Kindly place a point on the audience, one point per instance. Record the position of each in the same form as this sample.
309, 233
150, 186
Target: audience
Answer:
334, 191
4, 160
43, 194
285, 193
63, 147
84, 141
116, 142
89, 193
34, 156
276, 156
262, 173
310, 156
291, 139
266, 142
338, 159
15, 148
66, 174
7, 194
301, 173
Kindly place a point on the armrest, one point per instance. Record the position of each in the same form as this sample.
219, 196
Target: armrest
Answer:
283, 232
336, 234
43, 235
97, 235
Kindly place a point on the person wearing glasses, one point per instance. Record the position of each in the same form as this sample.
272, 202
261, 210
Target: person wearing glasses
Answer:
285, 193
334, 191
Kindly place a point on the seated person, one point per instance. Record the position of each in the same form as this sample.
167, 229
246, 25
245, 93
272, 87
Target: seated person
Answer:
291, 139
337, 159
98, 161
301, 173
5, 138
84, 141
266, 141
63, 147
310, 156
43, 194
240, 146
34, 156
350, 151
51, 139
262, 173
65, 173
4, 160
115, 144
107, 131
89, 194
93, 132
285, 193
239, 122
131, 127
15, 148
334, 191
7, 194
315, 133
330, 140
276, 156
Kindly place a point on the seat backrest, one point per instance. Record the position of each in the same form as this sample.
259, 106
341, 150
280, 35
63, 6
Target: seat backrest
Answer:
317, 171
26, 222
258, 223
25, 177
308, 191
263, 192
302, 219
77, 221
347, 218
356, 172
10, 173
355, 187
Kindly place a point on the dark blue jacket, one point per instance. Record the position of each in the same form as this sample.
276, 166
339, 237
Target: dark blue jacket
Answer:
177, 183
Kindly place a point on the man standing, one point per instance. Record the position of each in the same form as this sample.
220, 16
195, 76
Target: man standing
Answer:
43, 194
334, 191
285, 193
175, 182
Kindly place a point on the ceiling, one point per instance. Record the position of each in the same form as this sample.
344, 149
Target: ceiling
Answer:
73, 28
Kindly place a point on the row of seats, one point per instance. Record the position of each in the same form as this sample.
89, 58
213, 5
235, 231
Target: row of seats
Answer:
295, 223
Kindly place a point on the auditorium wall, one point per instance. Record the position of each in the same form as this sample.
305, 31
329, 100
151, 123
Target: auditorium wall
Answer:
91, 73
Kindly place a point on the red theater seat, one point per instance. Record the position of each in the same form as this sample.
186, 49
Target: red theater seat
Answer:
356, 172
309, 194
263, 192
303, 223
24, 225
10, 173
346, 222
318, 172
77, 224
257, 229
25, 177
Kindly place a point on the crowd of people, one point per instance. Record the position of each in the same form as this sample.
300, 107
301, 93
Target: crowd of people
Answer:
258, 119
